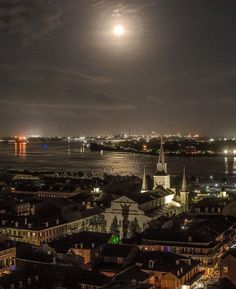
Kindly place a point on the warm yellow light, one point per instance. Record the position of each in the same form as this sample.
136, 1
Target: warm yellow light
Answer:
119, 30
168, 199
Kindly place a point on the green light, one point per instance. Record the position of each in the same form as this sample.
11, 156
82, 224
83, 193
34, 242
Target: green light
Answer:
115, 239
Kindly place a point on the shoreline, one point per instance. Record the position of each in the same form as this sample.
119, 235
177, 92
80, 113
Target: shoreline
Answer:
182, 155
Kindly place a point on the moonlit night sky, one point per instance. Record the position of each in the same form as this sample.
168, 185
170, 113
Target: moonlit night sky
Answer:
65, 71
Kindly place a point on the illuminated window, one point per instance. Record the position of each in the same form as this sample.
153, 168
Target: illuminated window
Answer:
119, 260
225, 269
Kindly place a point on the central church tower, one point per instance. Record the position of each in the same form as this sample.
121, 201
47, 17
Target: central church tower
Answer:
161, 177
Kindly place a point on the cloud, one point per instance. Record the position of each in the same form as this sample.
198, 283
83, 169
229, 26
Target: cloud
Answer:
122, 8
220, 76
29, 19
72, 107
55, 88
61, 72
73, 75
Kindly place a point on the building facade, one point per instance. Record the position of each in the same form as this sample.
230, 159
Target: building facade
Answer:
7, 259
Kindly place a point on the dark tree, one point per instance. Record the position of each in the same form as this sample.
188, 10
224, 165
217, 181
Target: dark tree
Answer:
114, 229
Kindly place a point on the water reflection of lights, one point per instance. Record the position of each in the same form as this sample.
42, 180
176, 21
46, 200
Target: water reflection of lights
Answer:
234, 166
226, 166
82, 149
20, 149
125, 164
45, 146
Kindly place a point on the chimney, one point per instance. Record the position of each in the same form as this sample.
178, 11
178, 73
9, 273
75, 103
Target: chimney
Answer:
28, 281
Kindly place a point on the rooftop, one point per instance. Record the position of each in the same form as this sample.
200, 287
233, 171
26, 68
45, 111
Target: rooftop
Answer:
196, 230
166, 262
49, 274
211, 202
119, 250
85, 240
230, 252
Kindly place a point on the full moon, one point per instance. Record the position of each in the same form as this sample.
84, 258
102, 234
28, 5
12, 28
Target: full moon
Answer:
118, 30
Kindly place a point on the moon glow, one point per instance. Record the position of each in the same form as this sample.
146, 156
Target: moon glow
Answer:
118, 30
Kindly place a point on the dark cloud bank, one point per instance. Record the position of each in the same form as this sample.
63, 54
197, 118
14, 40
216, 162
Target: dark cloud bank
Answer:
63, 72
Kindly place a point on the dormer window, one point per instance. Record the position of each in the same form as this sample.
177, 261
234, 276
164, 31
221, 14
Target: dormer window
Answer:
151, 264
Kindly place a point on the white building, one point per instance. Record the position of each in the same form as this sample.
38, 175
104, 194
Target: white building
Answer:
134, 211
140, 209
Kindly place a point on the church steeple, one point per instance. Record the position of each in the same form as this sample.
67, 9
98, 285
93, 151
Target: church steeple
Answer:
161, 177
184, 194
184, 187
144, 182
161, 163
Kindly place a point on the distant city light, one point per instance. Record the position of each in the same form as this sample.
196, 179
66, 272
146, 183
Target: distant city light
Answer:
34, 136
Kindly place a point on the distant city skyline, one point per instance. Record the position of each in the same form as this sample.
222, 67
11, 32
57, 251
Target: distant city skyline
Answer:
125, 134
101, 67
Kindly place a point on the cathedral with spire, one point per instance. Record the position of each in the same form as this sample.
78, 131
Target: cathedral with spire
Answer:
148, 205
161, 179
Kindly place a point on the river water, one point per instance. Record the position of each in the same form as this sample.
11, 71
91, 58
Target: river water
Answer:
72, 156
